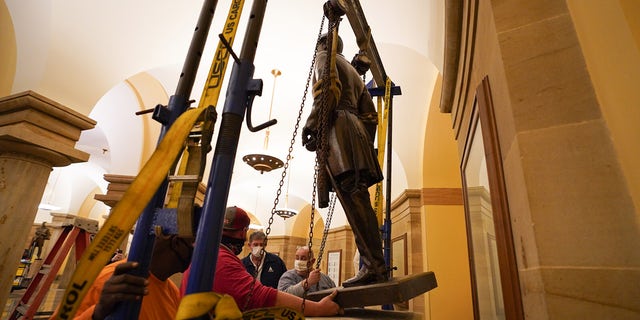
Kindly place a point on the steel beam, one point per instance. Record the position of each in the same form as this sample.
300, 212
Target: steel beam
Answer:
362, 31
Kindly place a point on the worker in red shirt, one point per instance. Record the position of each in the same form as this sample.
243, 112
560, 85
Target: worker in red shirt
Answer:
232, 278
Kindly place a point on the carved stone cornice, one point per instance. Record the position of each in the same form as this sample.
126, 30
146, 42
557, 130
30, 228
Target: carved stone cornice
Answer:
33, 125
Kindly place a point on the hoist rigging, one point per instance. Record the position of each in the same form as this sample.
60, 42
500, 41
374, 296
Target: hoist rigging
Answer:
180, 136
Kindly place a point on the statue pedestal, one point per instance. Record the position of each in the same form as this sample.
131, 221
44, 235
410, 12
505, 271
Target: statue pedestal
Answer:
36, 134
396, 290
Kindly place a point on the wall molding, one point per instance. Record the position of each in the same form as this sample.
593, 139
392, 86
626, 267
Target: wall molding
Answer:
442, 196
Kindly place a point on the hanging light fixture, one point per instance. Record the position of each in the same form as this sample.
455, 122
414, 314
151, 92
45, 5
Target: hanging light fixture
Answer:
287, 212
264, 162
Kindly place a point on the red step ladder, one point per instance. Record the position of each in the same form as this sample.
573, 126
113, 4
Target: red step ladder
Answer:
75, 231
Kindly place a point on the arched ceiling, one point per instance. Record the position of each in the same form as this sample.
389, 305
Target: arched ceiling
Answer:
91, 55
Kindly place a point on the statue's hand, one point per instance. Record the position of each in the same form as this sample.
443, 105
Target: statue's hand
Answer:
309, 139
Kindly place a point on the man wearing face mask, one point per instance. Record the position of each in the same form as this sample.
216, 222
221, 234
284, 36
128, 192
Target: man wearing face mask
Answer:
233, 279
268, 265
293, 281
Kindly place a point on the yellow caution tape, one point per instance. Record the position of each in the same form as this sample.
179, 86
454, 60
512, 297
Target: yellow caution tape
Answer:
212, 90
177, 186
275, 313
224, 307
193, 162
125, 213
215, 305
383, 118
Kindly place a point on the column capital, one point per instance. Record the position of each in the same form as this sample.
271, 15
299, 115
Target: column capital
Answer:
35, 125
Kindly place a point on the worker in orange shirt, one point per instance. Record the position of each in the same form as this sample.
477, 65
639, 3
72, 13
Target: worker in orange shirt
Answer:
171, 254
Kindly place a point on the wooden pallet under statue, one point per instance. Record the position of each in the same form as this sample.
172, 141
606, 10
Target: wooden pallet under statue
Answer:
396, 290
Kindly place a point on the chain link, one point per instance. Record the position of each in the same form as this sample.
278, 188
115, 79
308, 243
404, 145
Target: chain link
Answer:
322, 152
286, 167
332, 206
315, 167
320, 160
295, 133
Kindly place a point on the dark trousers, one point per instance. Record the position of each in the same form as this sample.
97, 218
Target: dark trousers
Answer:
356, 203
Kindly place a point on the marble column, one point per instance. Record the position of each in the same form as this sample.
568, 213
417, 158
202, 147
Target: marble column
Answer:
36, 134
118, 185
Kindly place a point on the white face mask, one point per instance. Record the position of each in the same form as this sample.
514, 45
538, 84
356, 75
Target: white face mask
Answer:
300, 265
255, 251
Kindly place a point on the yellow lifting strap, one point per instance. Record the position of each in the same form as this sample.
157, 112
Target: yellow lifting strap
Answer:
193, 159
215, 305
276, 313
383, 119
335, 86
224, 307
126, 212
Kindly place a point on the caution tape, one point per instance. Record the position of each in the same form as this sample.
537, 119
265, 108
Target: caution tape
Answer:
193, 157
383, 118
275, 313
224, 307
125, 213
215, 305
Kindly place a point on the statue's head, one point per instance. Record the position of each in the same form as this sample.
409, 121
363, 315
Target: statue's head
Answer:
322, 43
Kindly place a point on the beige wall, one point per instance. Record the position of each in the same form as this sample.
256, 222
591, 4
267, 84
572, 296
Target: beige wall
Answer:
447, 257
338, 239
613, 61
575, 227
443, 227
406, 227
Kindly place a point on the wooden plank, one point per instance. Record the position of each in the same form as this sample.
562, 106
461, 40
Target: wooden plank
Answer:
393, 291
366, 314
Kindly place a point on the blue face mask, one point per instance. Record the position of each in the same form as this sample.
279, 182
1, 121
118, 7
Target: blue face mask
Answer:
234, 244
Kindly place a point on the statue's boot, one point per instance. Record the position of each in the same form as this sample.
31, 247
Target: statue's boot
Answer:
364, 224
365, 276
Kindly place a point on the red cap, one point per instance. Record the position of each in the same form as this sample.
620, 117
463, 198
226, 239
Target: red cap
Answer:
236, 223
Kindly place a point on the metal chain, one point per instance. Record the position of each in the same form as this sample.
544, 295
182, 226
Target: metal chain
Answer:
305, 284
322, 152
315, 169
295, 133
286, 165
332, 206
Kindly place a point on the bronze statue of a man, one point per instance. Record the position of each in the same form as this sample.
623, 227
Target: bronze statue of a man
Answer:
342, 125
42, 234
